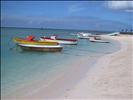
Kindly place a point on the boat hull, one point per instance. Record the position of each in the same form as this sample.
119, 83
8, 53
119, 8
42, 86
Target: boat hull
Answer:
83, 37
99, 41
43, 48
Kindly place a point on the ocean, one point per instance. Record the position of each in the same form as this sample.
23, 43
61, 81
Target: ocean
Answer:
20, 67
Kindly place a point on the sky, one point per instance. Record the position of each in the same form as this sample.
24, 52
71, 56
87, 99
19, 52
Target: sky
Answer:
86, 15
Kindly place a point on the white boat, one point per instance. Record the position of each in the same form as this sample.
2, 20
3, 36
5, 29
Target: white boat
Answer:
59, 40
83, 35
114, 34
92, 39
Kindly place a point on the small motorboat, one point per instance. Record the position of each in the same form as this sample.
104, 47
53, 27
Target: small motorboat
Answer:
34, 45
59, 40
83, 35
92, 39
46, 48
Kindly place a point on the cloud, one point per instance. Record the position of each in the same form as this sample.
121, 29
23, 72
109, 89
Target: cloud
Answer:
126, 6
75, 8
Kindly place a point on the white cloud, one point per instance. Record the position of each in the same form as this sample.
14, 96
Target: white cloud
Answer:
120, 5
75, 8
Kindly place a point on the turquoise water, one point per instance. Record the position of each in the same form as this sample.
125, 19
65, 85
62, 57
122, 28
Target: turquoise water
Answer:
20, 67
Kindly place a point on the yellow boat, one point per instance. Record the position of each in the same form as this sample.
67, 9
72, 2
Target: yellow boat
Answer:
35, 42
34, 45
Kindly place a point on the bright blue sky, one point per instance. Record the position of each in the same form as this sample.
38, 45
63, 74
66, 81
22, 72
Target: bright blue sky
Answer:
93, 15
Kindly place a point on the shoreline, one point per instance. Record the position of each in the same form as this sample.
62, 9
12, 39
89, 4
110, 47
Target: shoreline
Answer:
112, 79
69, 84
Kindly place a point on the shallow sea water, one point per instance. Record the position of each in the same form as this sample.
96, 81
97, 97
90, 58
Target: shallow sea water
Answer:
21, 67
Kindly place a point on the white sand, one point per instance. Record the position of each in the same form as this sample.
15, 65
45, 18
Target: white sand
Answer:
109, 78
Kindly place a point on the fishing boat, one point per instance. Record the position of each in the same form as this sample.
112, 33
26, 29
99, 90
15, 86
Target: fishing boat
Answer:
35, 45
83, 35
59, 40
92, 39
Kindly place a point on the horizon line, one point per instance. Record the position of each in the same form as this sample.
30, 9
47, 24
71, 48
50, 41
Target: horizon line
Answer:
58, 29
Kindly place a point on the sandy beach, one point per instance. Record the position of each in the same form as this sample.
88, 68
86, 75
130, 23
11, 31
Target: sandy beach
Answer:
109, 78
